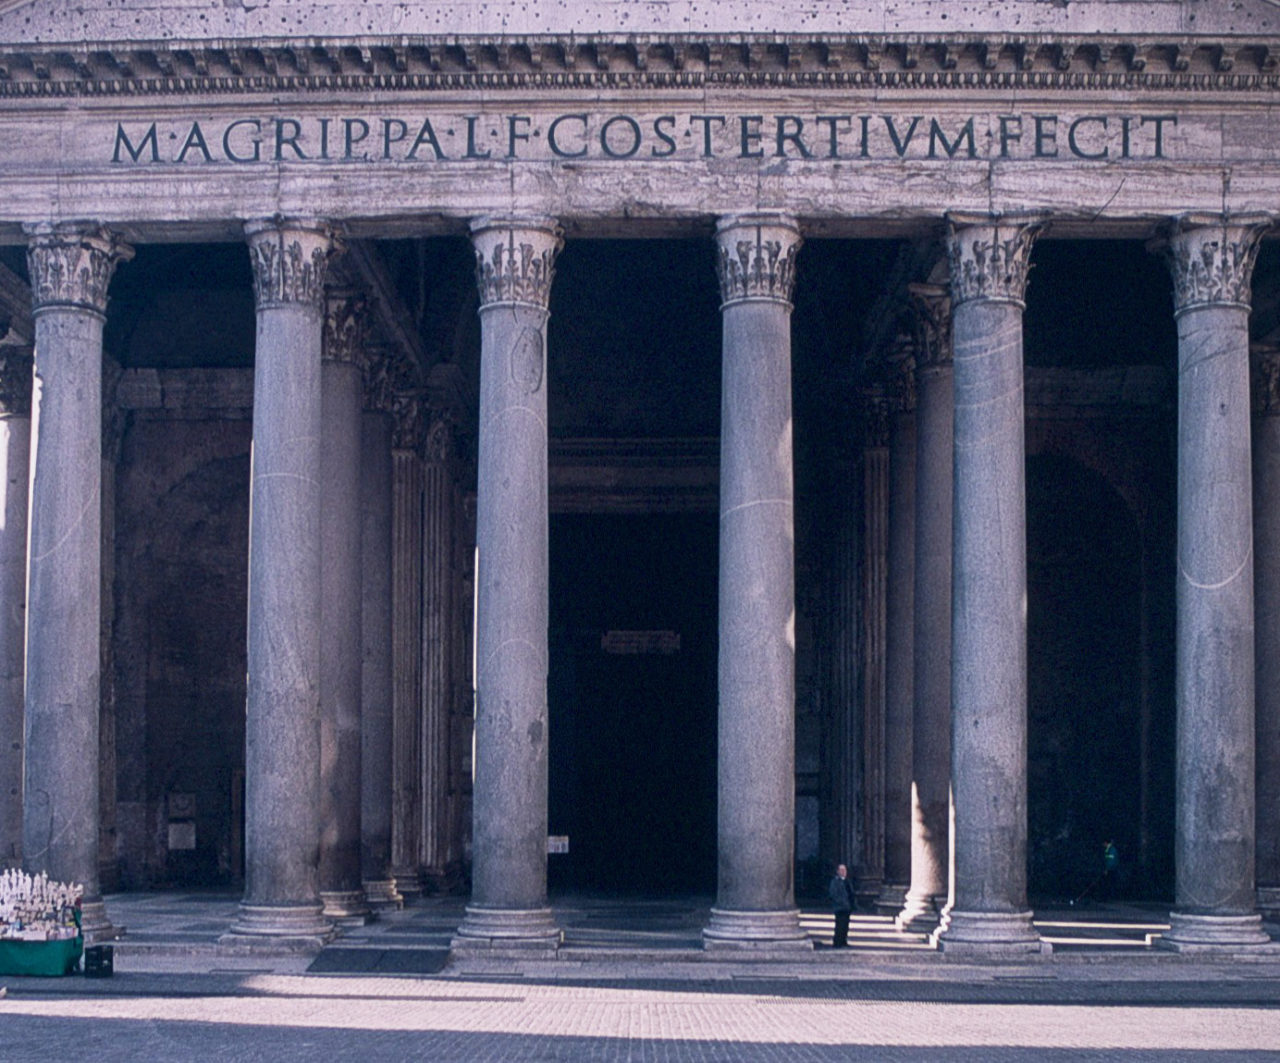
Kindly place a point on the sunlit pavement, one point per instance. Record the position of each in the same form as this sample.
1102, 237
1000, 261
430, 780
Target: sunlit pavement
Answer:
632, 984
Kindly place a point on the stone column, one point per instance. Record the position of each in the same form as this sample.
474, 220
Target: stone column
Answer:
15, 448
515, 260
875, 558
755, 897
439, 505
375, 625
931, 613
70, 268
899, 664
340, 591
1211, 260
406, 641
988, 910
281, 904
1266, 589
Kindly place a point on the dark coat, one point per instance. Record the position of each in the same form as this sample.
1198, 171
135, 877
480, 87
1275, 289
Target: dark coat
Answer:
841, 893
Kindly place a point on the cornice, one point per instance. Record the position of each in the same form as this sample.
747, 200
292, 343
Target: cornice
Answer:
389, 64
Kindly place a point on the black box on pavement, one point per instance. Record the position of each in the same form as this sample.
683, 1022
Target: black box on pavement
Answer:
99, 961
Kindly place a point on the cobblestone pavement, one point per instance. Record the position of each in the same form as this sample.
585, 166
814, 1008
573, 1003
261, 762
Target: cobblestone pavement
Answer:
175, 996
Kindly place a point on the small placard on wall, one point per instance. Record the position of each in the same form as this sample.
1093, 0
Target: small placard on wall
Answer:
557, 843
635, 643
182, 835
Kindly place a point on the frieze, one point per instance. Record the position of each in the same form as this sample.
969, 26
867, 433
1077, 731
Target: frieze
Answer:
345, 327
759, 266
71, 265
515, 261
415, 64
1264, 366
990, 260
15, 381
1213, 263
289, 262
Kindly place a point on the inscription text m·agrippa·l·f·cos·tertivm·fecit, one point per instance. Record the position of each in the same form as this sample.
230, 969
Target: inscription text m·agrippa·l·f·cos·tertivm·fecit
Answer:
581, 135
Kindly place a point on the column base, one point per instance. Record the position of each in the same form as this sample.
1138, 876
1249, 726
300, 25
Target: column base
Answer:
408, 884
521, 931
381, 895
757, 931
95, 924
1215, 934
891, 899
284, 927
345, 907
920, 914
1269, 903
994, 935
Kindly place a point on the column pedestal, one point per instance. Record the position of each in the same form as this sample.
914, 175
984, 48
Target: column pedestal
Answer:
508, 911
755, 905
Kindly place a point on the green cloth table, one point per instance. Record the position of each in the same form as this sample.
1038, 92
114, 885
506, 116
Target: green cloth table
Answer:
44, 958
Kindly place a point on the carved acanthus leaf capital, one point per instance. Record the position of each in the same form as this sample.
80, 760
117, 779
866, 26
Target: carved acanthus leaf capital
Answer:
1212, 264
990, 260
516, 259
440, 444
757, 257
345, 327
405, 393
1264, 371
877, 408
931, 316
375, 366
70, 265
290, 260
15, 381
900, 367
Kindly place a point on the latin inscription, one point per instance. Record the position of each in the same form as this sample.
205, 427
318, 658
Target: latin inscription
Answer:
583, 135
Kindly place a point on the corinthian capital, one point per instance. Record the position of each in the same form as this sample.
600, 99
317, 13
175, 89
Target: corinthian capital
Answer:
757, 257
345, 329
931, 315
990, 260
290, 257
516, 259
1212, 259
71, 265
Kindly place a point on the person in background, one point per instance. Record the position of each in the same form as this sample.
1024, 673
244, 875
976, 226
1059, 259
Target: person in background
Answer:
841, 893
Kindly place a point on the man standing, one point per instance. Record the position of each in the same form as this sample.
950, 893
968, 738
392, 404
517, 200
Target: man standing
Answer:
841, 893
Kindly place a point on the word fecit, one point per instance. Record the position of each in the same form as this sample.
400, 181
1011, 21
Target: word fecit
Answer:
625, 137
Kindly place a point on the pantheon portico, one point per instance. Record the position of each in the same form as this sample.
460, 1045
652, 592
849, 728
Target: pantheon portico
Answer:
437, 436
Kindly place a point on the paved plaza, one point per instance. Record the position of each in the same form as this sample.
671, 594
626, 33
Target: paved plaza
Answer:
631, 984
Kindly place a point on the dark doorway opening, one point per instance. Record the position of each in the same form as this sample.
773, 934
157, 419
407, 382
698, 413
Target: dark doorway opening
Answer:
1094, 770
632, 702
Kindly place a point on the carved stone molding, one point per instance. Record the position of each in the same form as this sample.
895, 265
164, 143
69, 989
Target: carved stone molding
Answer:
345, 327
757, 255
990, 259
15, 381
290, 258
515, 259
1211, 260
1264, 370
931, 316
70, 265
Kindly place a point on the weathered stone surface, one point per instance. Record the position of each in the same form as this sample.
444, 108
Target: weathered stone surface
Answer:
282, 740
756, 763
1212, 265
70, 268
15, 448
514, 266
988, 906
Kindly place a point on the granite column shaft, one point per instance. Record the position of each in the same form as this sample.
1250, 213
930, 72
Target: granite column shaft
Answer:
340, 593
281, 902
515, 267
988, 909
1215, 904
70, 268
755, 905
